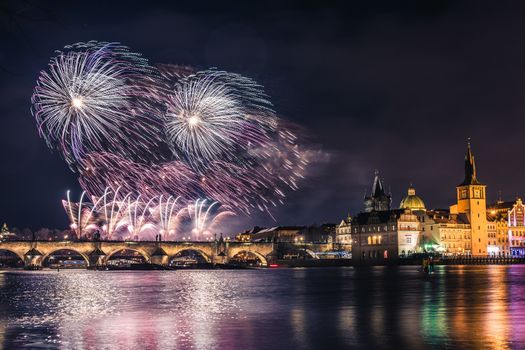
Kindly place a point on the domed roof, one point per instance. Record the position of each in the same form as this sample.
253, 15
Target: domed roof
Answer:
411, 201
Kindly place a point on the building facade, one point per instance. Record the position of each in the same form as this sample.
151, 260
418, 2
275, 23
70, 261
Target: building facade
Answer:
375, 236
408, 233
343, 231
516, 229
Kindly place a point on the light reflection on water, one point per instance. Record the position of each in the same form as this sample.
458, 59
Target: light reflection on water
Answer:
379, 307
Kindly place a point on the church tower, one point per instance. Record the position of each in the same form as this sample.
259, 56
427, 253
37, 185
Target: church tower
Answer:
472, 201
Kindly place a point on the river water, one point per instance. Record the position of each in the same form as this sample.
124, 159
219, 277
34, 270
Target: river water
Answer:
311, 308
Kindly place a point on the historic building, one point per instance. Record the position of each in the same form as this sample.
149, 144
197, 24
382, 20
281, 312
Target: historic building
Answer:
375, 236
516, 229
273, 234
471, 201
412, 201
506, 228
378, 200
446, 233
408, 232
343, 231
498, 228
379, 233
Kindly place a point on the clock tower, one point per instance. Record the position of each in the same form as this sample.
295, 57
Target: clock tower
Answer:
472, 201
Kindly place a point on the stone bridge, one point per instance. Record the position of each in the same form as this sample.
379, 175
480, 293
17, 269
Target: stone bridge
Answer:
33, 253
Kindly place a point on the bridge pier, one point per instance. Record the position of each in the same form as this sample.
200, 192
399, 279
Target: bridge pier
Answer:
97, 257
33, 259
159, 257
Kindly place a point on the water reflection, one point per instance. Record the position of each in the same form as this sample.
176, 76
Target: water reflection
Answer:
470, 306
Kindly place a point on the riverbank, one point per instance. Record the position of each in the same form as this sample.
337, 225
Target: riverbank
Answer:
297, 263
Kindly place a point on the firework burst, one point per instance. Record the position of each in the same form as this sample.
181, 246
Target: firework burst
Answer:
217, 115
91, 98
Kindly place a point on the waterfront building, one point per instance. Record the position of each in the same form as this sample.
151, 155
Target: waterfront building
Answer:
516, 229
445, 233
492, 233
324, 233
497, 214
246, 236
382, 234
343, 231
408, 232
375, 236
274, 234
471, 201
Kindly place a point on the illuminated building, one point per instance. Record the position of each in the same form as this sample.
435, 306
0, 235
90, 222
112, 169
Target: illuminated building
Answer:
498, 228
379, 233
446, 233
408, 232
412, 201
375, 236
516, 229
279, 234
343, 231
471, 201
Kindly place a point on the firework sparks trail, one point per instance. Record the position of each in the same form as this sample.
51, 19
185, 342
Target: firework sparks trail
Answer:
119, 216
204, 215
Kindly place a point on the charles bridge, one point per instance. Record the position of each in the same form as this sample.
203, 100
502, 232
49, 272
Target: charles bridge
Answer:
97, 253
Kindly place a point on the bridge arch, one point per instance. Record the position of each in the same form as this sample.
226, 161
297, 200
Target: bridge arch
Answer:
259, 256
191, 249
18, 254
144, 254
47, 254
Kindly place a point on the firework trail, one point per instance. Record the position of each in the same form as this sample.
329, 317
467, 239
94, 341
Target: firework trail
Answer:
119, 216
81, 215
204, 215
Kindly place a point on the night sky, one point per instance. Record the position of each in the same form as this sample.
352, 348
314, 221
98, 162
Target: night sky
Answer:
398, 88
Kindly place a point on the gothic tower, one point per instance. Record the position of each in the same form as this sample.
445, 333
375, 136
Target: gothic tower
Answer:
472, 201
378, 199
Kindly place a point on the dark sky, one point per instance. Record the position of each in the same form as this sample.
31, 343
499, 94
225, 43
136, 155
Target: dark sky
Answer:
395, 87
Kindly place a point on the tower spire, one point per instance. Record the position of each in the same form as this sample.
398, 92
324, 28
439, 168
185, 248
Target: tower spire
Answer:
470, 167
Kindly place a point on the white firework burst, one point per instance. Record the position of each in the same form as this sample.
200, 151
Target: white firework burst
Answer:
89, 99
217, 115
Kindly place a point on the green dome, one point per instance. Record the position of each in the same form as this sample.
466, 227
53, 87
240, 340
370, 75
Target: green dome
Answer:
411, 201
